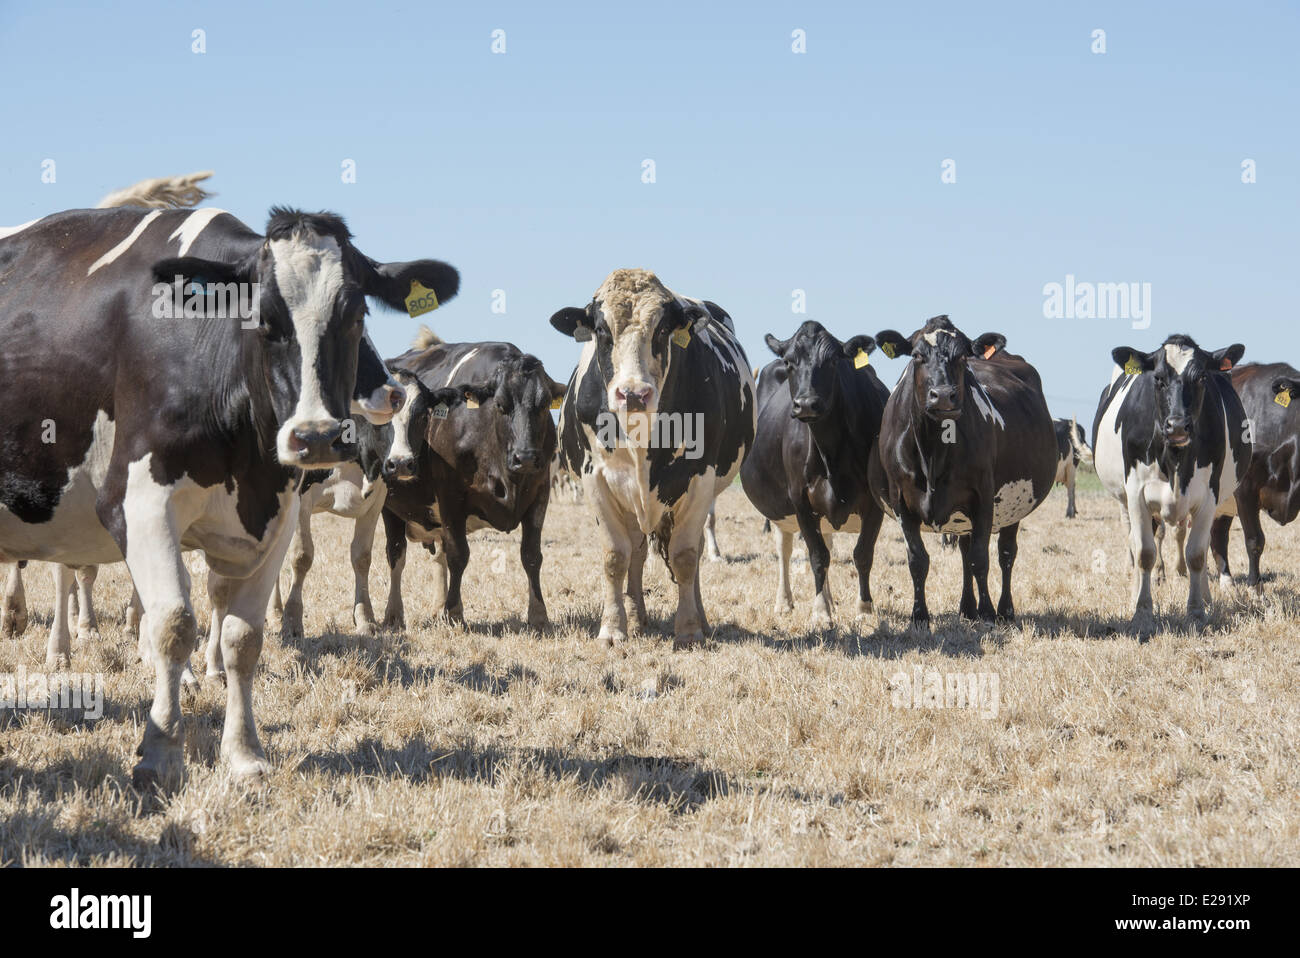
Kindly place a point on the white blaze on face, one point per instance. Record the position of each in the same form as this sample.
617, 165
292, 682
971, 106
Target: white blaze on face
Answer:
631, 302
401, 447
1178, 357
309, 275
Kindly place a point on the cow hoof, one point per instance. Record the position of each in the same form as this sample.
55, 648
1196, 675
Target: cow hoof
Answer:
162, 763
820, 622
366, 628
866, 607
188, 679
1143, 626
1196, 624
682, 643
612, 637
58, 661
394, 623
15, 624
920, 624
251, 769
1225, 581
538, 623
289, 629
88, 635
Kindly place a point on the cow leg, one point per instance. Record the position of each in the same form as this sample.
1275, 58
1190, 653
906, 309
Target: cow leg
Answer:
455, 546
87, 623
241, 646
711, 536
363, 540
1158, 533
684, 548
981, 533
638, 619
301, 554
1180, 536
1142, 545
276, 607
864, 553
219, 599
785, 546
58, 652
1253, 532
13, 612
617, 554
395, 552
968, 608
819, 557
1198, 585
1007, 559
441, 576
699, 598
1219, 548
133, 614
150, 533
530, 555
918, 564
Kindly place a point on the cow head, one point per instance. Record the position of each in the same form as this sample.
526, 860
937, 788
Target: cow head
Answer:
523, 393
638, 324
1180, 370
939, 353
411, 423
378, 396
814, 361
313, 285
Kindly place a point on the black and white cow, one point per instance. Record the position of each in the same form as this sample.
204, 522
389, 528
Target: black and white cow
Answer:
657, 419
1071, 449
174, 424
472, 449
819, 409
966, 447
1170, 441
1272, 480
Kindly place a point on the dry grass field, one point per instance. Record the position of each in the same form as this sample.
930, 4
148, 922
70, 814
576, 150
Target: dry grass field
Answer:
770, 745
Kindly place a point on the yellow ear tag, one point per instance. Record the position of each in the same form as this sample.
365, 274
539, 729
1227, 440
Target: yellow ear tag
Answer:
420, 300
471, 402
682, 337
1132, 367
557, 403
861, 359
888, 349
1283, 398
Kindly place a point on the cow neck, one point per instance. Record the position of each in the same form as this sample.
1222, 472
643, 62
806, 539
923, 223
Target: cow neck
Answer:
932, 453
240, 406
833, 439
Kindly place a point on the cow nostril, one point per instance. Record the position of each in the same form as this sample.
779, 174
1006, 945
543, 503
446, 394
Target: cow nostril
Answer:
397, 399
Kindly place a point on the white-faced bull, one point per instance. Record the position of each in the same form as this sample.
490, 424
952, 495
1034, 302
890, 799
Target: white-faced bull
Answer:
180, 432
966, 447
819, 409
1170, 441
657, 419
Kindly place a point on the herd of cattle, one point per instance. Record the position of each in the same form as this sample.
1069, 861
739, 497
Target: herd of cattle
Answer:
138, 438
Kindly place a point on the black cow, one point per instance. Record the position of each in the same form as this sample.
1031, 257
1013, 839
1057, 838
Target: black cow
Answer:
145, 419
819, 409
966, 447
472, 449
1170, 441
1071, 449
657, 419
1272, 480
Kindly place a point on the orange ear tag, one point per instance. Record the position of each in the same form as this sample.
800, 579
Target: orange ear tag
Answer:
990, 351
1226, 364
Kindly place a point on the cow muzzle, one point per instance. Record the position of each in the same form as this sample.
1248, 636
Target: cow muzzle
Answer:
319, 443
523, 462
941, 402
1178, 433
807, 409
399, 468
381, 405
635, 397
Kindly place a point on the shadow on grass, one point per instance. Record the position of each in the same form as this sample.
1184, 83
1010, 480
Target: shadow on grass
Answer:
679, 784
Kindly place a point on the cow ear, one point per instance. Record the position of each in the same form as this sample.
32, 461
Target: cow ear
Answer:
776, 345
414, 288
192, 269
893, 343
988, 344
573, 321
475, 394
557, 389
1133, 361
449, 396
692, 313
1283, 384
859, 344
1226, 359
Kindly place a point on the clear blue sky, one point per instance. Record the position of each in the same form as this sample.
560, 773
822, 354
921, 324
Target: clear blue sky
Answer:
775, 171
